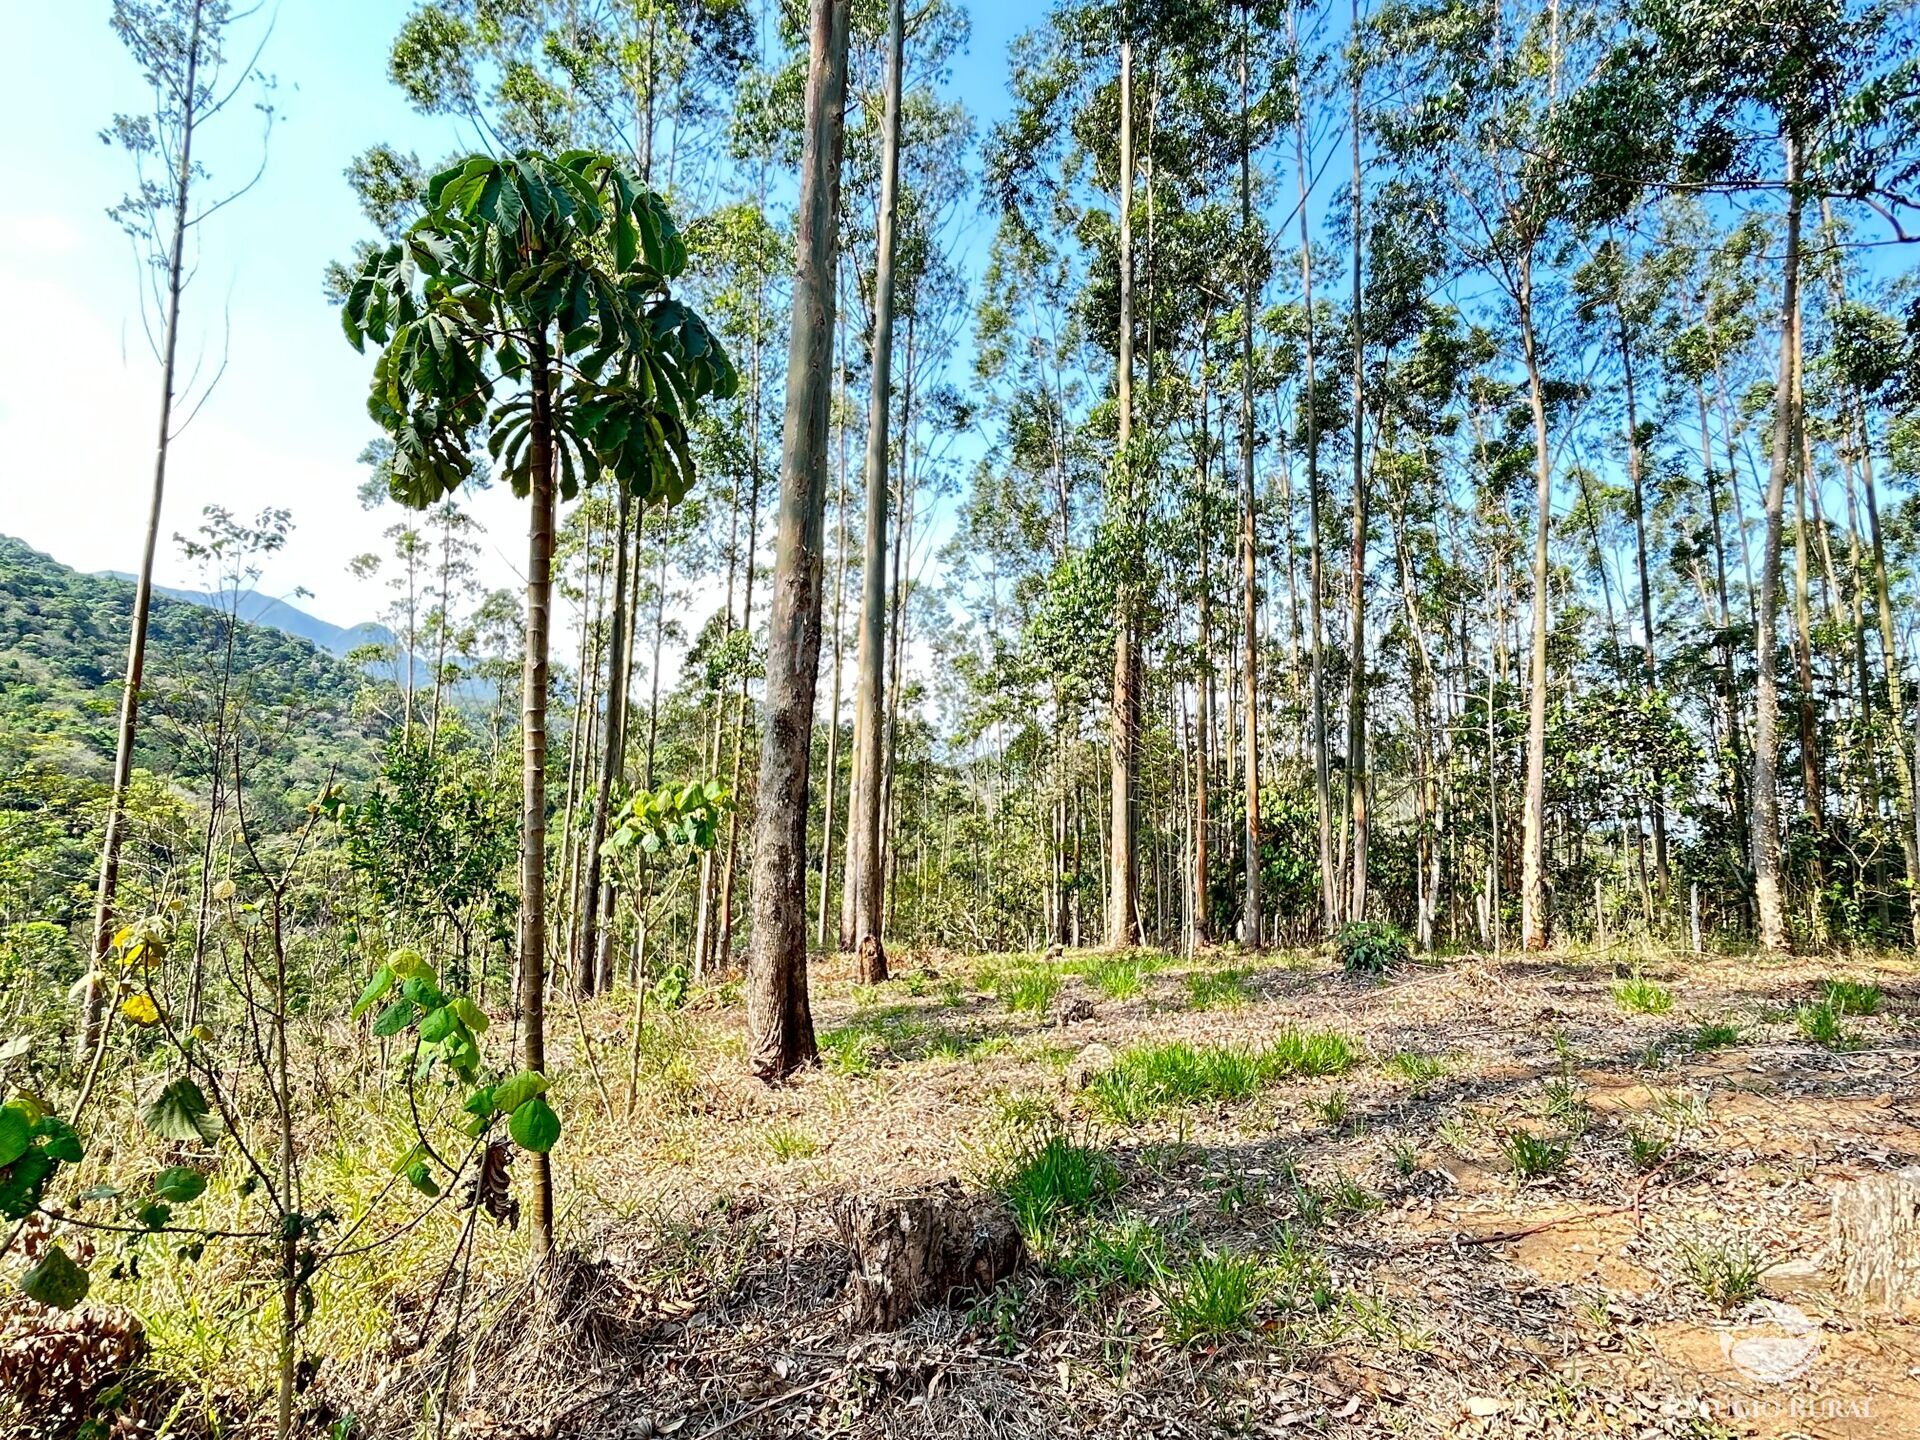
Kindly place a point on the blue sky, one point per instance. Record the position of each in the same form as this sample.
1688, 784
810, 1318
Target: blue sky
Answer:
79, 385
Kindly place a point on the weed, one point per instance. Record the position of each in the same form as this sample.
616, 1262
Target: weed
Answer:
851, 1049
1334, 1110
1564, 1103
1214, 1296
1123, 1252
1646, 1148
953, 994
1416, 1069
1726, 1272
790, 1143
1046, 1175
1642, 997
1119, 977
1028, 989
1820, 1022
1851, 997
1405, 1158
1683, 1110
1530, 1156
1208, 988
1346, 1197
1309, 1053
1715, 1035
1149, 1078
1368, 947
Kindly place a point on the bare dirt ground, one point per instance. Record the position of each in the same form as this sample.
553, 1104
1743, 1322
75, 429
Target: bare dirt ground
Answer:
1665, 1273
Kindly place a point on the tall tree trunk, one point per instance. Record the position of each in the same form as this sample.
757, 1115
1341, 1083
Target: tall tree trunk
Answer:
864, 830
94, 999
839, 605
779, 1020
1535, 918
1316, 584
1250, 927
1357, 559
595, 959
1203, 698
1767, 887
533, 767
1124, 720
1636, 475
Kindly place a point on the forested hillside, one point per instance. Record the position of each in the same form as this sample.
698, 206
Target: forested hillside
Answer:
63, 640
1205, 726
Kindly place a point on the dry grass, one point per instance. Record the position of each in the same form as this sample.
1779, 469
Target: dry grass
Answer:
1352, 1207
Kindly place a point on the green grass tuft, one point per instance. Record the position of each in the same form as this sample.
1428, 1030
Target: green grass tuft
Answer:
1642, 997
1820, 1022
1726, 1272
1530, 1156
1214, 1296
1416, 1069
1149, 1078
1715, 1035
1028, 989
1851, 997
1208, 988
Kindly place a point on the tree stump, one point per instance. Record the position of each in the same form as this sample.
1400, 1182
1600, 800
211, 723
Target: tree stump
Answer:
920, 1248
1876, 1238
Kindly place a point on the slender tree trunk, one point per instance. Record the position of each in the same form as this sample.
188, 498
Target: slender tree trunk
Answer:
1535, 916
839, 605
593, 957
1316, 584
864, 831
1357, 776
1767, 886
779, 1020
1250, 919
1203, 698
533, 769
1124, 722
93, 1001
1637, 477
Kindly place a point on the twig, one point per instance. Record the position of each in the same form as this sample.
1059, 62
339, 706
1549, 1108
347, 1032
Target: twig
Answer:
764, 1405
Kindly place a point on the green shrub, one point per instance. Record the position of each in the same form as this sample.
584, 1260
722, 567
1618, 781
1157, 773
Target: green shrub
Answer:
1370, 947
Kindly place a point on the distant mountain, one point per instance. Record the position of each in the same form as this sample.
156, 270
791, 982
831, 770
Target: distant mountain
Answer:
258, 609
63, 652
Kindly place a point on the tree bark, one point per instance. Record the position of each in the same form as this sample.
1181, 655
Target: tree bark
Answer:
1535, 919
1124, 719
533, 768
1250, 919
779, 1021
864, 830
1765, 844
1357, 564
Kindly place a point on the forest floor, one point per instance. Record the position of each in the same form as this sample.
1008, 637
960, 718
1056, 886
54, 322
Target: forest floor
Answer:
1544, 1196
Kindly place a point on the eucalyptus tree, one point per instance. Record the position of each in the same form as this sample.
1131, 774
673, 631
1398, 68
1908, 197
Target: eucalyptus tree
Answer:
534, 299
779, 1019
864, 831
181, 49
1828, 84
1475, 127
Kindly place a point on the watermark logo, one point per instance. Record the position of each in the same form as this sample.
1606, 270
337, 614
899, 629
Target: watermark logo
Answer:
1779, 1343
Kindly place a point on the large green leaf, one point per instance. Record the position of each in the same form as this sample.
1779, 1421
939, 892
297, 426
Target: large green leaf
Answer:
513, 1092
56, 1281
534, 1126
179, 1111
16, 1132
